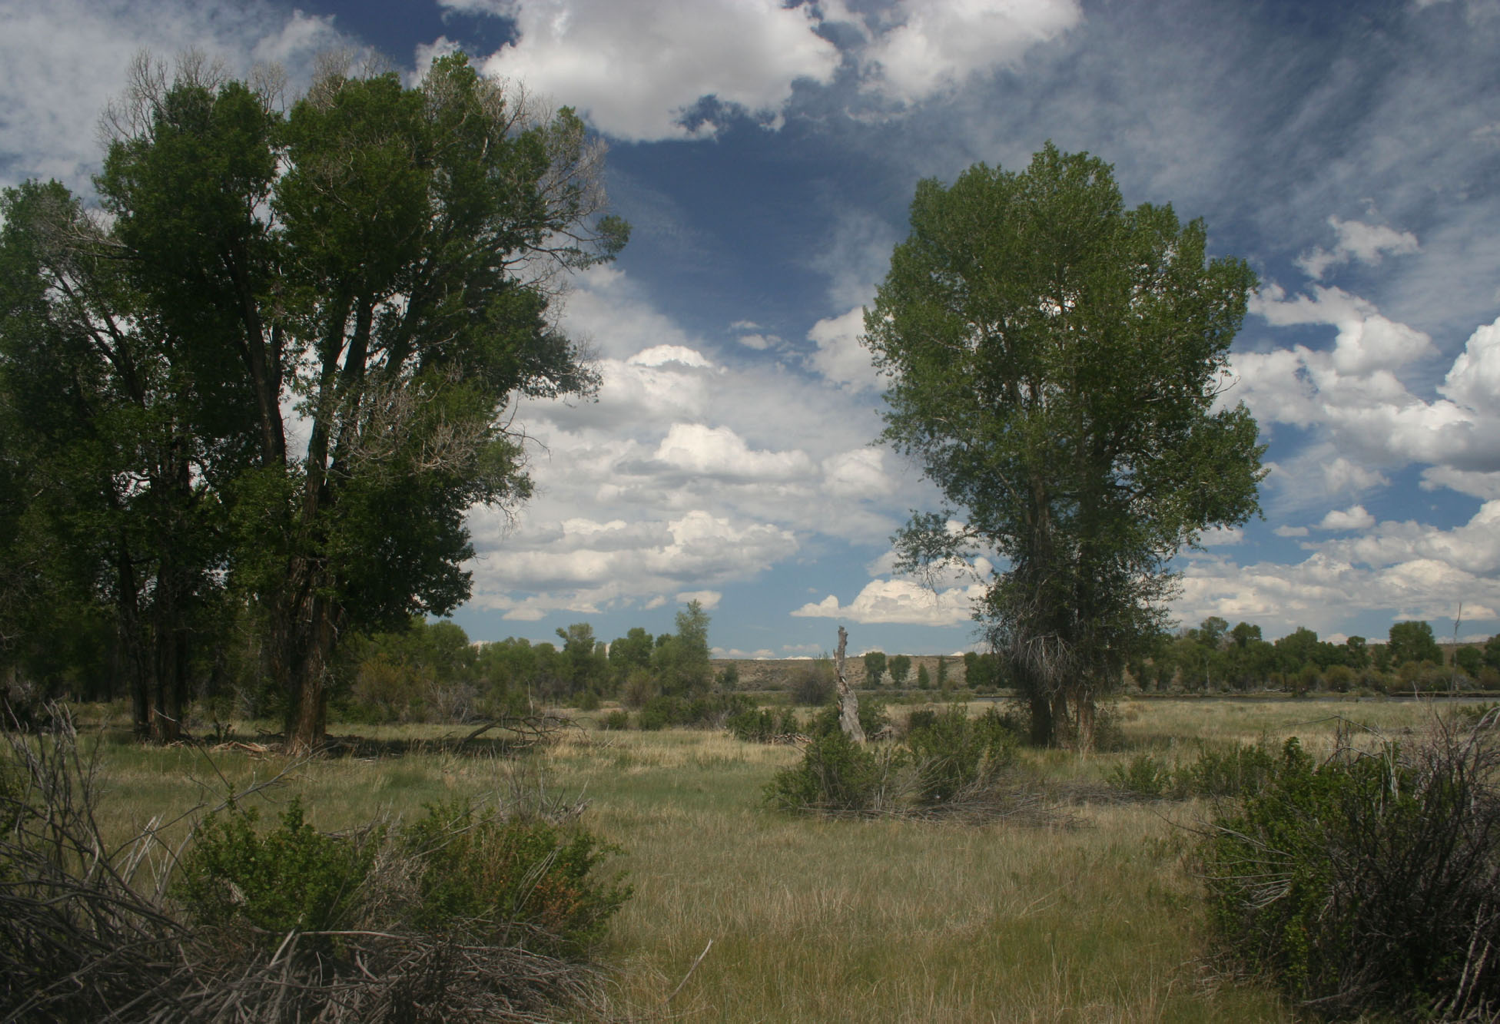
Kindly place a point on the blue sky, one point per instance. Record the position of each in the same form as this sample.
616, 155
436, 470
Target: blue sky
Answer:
766, 154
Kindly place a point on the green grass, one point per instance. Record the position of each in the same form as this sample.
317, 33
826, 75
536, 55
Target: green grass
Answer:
833, 920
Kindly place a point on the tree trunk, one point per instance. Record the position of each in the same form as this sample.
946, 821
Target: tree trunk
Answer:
1084, 709
848, 702
307, 647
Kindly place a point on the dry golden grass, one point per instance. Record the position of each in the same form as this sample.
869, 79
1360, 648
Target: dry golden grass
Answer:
838, 920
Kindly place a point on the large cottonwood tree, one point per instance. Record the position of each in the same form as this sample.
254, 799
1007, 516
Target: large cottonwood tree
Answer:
373, 271
1056, 365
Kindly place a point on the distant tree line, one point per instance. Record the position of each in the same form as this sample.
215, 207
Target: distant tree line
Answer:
1214, 657
431, 671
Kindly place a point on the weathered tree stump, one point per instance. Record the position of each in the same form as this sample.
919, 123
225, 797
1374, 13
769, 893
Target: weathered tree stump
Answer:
848, 702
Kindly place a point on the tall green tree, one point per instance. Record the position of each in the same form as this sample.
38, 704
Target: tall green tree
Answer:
1055, 364
682, 660
127, 434
375, 268
899, 666
1414, 642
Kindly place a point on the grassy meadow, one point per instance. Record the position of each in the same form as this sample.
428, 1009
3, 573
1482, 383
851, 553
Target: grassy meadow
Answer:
1096, 917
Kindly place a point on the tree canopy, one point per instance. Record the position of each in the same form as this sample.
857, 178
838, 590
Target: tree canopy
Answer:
307, 326
1056, 363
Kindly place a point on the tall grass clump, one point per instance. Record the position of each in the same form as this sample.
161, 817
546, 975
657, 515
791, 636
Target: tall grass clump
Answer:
465, 914
1369, 882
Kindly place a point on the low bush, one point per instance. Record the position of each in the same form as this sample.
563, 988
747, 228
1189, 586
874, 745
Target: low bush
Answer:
764, 725
835, 774
241, 879
1240, 769
464, 915
1144, 775
1368, 883
710, 711
510, 881
615, 721
946, 754
953, 752
813, 683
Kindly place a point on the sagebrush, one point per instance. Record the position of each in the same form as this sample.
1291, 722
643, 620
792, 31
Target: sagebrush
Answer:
1370, 881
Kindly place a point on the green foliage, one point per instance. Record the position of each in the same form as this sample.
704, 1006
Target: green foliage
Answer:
707, 711
515, 880
478, 877
351, 263
835, 774
981, 671
1240, 769
1413, 642
289, 877
874, 719
874, 667
615, 721
1144, 775
945, 754
1055, 361
765, 725
682, 662
1370, 882
812, 683
900, 667
954, 752
1470, 659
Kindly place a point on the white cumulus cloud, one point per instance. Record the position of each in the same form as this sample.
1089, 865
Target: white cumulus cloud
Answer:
839, 356
720, 452
934, 46
637, 69
1352, 518
1354, 397
1364, 243
899, 601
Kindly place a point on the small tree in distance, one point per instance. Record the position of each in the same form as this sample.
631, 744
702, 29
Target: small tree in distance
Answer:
874, 667
900, 668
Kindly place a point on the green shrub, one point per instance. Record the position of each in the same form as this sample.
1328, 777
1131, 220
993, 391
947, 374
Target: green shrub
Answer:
616, 721
764, 725
708, 711
658, 713
1145, 775
873, 718
835, 774
953, 752
1369, 883
813, 683
510, 881
1241, 769
290, 877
